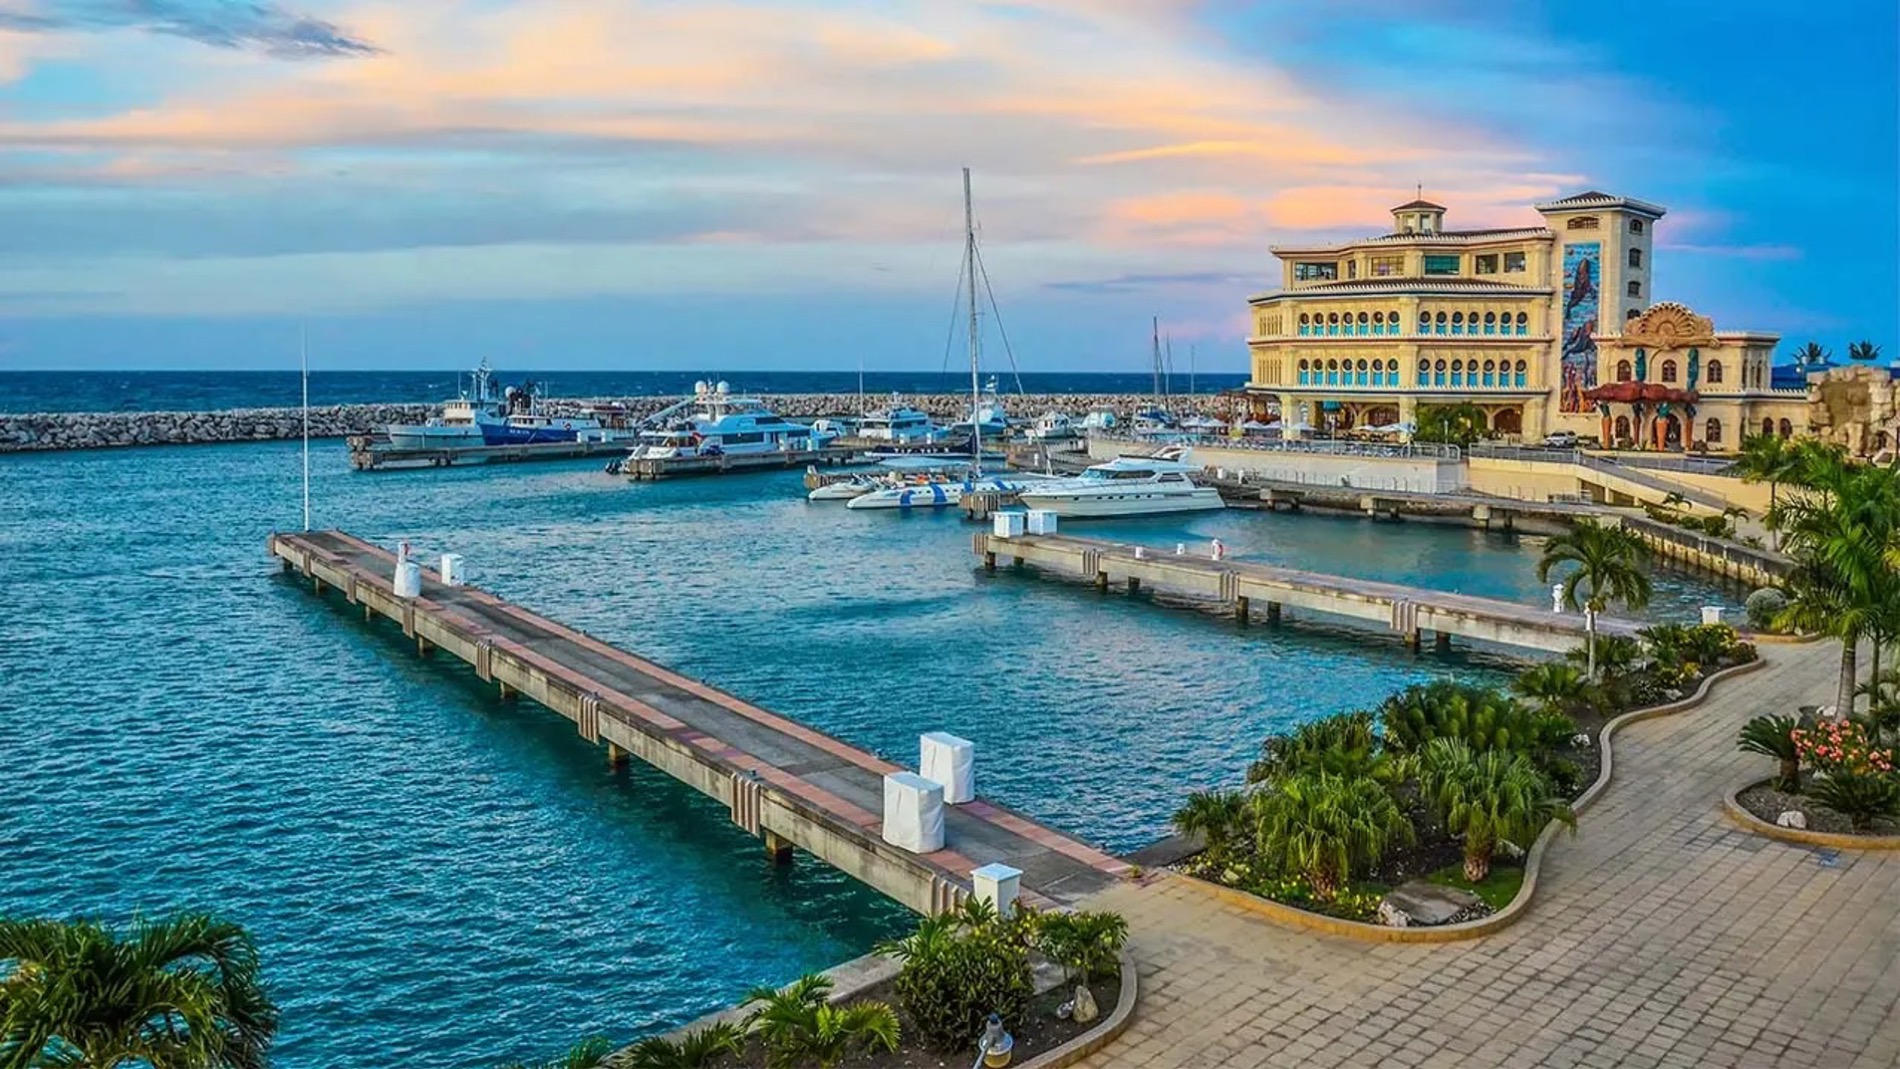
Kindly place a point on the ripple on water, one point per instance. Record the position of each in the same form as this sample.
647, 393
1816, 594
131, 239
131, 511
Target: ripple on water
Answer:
439, 878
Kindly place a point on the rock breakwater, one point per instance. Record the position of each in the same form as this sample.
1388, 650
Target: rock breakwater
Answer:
22, 432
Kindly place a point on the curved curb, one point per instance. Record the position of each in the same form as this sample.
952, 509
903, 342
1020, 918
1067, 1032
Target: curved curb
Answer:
1293, 917
1769, 638
1739, 814
1102, 1034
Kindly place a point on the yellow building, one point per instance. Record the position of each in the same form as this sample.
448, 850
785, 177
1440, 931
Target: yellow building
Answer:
1523, 322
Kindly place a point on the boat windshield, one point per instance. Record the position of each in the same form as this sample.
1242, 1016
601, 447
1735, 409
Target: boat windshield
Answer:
1107, 474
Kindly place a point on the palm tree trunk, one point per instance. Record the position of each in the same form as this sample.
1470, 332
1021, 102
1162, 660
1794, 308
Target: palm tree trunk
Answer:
1774, 535
1325, 886
1844, 700
1477, 861
1874, 674
1590, 644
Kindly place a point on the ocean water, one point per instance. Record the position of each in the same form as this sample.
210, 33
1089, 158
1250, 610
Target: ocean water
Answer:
195, 391
440, 879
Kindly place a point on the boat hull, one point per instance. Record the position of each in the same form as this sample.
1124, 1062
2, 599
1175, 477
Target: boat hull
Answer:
1132, 502
423, 437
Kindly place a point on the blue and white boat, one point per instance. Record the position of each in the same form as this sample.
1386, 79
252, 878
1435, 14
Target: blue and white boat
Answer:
721, 424
463, 421
899, 423
988, 416
528, 423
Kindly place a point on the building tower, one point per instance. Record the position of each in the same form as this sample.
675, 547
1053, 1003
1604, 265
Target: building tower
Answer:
1602, 273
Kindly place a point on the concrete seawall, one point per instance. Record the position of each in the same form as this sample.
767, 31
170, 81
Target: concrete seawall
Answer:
22, 432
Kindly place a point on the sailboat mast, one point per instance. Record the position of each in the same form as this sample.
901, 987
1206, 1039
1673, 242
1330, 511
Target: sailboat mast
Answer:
969, 269
1155, 340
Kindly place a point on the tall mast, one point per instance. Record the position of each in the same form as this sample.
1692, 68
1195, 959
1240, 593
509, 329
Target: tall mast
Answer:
1155, 340
969, 269
303, 363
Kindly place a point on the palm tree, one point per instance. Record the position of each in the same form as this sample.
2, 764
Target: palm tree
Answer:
1767, 458
1215, 817
1555, 687
798, 1026
1811, 354
1773, 736
1606, 569
178, 993
1865, 351
1460, 424
587, 1054
1487, 797
1322, 827
694, 1050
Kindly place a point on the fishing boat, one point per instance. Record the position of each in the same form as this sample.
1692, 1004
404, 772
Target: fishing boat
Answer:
462, 421
1125, 486
722, 424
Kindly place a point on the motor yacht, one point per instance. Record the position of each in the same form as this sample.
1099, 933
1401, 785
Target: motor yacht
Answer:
988, 416
1125, 486
461, 422
899, 423
720, 423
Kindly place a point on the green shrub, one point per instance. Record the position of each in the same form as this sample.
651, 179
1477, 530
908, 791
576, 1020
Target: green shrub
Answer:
1859, 796
1483, 717
1555, 687
1485, 797
1215, 816
1326, 828
800, 1027
1344, 744
1773, 736
961, 967
1086, 943
694, 1050
1616, 654
1763, 606
587, 1054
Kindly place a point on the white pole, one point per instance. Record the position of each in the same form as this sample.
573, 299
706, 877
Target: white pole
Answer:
303, 360
976, 395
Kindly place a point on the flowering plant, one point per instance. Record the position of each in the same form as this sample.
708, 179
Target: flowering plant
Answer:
1840, 746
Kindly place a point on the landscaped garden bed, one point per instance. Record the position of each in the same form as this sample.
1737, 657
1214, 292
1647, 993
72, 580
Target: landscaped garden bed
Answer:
958, 969
1836, 775
1369, 816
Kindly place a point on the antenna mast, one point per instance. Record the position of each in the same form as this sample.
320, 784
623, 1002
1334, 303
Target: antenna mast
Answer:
303, 362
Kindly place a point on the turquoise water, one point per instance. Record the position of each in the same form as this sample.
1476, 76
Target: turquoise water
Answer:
438, 878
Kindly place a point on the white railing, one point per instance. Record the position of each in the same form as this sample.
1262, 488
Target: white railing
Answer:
1318, 446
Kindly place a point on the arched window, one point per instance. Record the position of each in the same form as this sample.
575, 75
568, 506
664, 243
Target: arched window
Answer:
1392, 321
1424, 322
1438, 374
1378, 323
1363, 320
1457, 372
1303, 372
1303, 323
1636, 255
1712, 431
1583, 222
1787, 429
1523, 323
1439, 326
1490, 323
1424, 372
1622, 371
1668, 371
1630, 314
1523, 373
1332, 372
1715, 372
1332, 323
1635, 289
1767, 427
1457, 322
1361, 378
1622, 432
1490, 373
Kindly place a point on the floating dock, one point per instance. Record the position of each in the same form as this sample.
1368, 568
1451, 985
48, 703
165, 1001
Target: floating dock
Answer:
780, 780
1409, 612
647, 469
371, 453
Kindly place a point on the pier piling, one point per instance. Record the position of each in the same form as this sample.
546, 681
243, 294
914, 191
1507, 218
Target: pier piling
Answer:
1273, 612
616, 757
777, 850
1240, 609
1441, 641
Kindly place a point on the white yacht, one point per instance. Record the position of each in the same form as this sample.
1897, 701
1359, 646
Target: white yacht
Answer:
1054, 427
989, 417
937, 493
463, 421
1099, 419
899, 423
1125, 486
722, 424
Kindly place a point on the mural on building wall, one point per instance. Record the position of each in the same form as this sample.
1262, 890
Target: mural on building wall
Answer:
1583, 266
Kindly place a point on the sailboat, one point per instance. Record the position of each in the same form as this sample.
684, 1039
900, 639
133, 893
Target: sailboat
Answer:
1155, 422
942, 493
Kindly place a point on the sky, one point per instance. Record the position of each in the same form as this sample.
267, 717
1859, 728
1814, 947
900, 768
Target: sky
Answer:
774, 184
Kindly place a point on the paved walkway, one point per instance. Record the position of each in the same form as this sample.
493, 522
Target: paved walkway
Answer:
1662, 935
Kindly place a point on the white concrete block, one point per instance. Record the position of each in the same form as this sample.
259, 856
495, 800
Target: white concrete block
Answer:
1008, 524
913, 813
408, 579
997, 884
950, 761
451, 570
1042, 521
1711, 614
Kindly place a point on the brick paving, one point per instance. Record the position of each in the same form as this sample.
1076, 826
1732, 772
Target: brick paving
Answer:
1661, 935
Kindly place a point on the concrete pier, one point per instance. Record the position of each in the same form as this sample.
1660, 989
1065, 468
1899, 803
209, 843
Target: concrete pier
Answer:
1406, 611
780, 780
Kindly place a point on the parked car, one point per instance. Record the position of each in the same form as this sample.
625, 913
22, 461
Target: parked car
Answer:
1560, 440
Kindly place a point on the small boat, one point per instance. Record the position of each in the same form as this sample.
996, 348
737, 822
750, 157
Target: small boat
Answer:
988, 416
939, 493
1099, 419
462, 421
1054, 427
721, 424
899, 423
1125, 486
844, 487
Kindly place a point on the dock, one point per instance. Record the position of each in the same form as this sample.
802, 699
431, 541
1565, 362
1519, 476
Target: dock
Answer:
374, 453
649, 469
1406, 611
788, 784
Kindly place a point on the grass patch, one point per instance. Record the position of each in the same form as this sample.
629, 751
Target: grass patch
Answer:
1497, 888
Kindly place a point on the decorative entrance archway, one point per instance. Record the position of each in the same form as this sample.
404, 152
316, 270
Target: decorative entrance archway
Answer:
1508, 421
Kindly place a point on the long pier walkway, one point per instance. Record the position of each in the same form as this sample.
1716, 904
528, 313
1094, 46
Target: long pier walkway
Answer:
783, 781
1407, 611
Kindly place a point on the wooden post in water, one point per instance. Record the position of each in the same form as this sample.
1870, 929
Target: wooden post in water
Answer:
1441, 641
1240, 609
989, 560
777, 850
616, 757
1413, 639
1134, 584
422, 646
1273, 612
1101, 580
508, 693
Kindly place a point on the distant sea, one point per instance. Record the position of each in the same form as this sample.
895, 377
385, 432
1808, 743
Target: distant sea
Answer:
194, 391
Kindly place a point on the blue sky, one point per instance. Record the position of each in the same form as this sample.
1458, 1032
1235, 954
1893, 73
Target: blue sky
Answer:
774, 183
